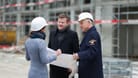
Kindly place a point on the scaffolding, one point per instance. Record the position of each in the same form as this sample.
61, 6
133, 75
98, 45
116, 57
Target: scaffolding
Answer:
115, 20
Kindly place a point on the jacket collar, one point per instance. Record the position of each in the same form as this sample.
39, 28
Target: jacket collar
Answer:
38, 34
90, 30
64, 31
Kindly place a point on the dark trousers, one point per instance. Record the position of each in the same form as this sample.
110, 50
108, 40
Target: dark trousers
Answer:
58, 72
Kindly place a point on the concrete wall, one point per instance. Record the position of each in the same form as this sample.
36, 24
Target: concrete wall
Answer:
105, 30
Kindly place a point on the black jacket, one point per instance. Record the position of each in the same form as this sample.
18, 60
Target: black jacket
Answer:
66, 40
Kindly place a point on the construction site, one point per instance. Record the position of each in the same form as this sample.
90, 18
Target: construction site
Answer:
115, 20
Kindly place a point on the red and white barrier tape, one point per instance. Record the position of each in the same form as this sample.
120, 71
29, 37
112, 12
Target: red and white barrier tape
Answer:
75, 22
29, 4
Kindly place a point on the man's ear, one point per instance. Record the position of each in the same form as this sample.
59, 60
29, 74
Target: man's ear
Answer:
69, 22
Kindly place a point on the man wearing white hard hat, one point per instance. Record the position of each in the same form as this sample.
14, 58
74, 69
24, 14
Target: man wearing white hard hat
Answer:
36, 50
89, 56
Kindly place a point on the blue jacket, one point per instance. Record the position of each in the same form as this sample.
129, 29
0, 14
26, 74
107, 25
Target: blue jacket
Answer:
90, 62
37, 53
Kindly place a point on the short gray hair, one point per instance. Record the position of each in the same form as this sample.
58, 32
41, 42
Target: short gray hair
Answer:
89, 20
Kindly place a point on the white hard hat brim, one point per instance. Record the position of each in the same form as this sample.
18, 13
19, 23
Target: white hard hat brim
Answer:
81, 19
84, 19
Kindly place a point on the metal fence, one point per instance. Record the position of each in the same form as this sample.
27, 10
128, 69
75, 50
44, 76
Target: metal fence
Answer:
117, 68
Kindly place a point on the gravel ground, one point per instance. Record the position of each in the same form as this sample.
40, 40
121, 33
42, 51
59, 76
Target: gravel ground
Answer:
13, 66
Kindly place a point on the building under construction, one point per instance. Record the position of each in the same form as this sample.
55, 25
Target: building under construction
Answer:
116, 21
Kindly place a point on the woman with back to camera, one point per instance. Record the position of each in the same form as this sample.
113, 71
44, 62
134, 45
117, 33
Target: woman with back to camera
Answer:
36, 50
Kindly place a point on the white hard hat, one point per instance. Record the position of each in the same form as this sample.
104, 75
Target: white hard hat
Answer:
38, 23
85, 15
